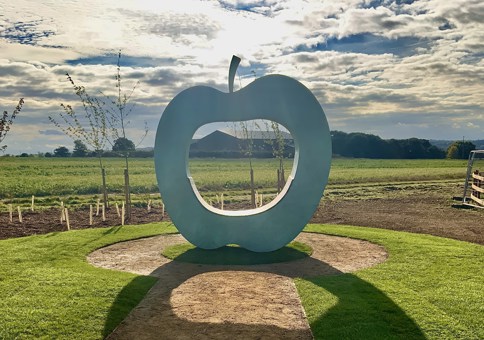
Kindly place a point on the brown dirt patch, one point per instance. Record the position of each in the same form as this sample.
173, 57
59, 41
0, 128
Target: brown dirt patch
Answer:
219, 302
48, 220
420, 208
428, 214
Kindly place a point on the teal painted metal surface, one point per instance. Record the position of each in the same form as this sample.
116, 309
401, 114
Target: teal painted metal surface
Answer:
272, 226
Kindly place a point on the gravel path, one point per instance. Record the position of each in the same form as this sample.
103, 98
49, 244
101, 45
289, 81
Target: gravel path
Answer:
192, 301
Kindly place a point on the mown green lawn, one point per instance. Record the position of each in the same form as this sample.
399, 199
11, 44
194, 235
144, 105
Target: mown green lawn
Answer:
49, 291
429, 287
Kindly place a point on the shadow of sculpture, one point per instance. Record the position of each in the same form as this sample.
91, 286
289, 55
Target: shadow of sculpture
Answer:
362, 307
239, 256
358, 303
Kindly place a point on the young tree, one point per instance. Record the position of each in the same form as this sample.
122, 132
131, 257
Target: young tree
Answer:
80, 149
246, 145
278, 143
89, 127
6, 122
117, 116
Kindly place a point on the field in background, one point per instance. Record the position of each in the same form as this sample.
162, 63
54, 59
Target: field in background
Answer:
78, 179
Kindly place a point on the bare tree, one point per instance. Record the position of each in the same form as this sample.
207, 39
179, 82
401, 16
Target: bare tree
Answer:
104, 121
6, 122
90, 126
278, 143
246, 145
117, 116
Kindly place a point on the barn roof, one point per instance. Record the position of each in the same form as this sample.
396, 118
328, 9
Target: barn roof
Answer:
266, 135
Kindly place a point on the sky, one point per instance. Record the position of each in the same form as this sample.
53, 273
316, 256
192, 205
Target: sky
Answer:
397, 69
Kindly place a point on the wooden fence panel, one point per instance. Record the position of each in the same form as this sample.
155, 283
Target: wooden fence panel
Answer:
477, 188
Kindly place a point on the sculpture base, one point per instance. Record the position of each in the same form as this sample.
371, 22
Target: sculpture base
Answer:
234, 255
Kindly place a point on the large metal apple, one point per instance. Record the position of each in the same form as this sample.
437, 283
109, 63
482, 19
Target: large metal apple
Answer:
274, 97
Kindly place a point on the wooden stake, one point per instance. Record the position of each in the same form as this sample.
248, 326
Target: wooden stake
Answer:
105, 192
63, 213
98, 206
90, 214
19, 215
222, 201
63, 216
162, 209
122, 214
149, 205
33, 200
10, 211
66, 212
103, 212
117, 210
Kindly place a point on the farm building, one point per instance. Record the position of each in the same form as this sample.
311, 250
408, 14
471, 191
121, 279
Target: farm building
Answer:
232, 144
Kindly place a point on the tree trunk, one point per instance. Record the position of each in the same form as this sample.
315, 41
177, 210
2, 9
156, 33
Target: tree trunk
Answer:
104, 190
278, 181
127, 194
252, 190
283, 179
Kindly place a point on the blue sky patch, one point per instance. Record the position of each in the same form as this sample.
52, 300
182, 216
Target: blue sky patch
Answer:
378, 3
125, 61
26, 33
255, 70
253, 8
369, 44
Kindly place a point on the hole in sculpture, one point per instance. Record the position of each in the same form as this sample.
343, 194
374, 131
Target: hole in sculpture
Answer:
225, 155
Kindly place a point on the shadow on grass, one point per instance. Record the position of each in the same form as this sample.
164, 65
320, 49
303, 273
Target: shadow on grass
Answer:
361, 310
127, 299
233, 255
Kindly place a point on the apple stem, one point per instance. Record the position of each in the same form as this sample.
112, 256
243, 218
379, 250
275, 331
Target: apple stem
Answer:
234, 63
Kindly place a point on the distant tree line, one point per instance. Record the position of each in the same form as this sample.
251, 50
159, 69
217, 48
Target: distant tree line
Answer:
119, 149
362, 145
354, 145
460, 149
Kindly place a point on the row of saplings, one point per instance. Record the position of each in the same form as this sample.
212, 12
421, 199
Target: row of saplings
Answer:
95, 210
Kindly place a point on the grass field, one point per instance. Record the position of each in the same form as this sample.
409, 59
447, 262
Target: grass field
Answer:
429, 288
77, 180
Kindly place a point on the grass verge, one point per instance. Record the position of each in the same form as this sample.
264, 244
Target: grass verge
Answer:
430, 287
234, 255
48, 290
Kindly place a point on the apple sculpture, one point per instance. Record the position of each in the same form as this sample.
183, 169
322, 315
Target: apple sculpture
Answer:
274, 97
